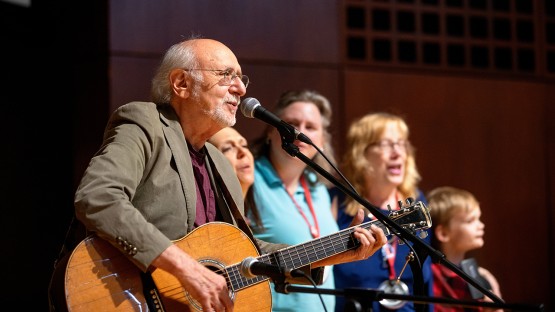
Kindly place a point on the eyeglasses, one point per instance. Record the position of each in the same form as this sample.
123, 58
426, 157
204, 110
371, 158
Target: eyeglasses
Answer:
388, 145
227, 76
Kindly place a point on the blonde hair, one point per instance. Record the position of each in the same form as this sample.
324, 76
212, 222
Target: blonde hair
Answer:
446, 201
364, 132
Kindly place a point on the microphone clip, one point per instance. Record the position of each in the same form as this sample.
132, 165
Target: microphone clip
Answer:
288, 133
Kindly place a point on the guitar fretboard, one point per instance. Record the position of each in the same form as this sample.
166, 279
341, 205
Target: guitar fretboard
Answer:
297, 256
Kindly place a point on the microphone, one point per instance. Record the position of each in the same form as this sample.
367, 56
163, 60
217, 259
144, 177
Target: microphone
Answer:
251, 267
251, 108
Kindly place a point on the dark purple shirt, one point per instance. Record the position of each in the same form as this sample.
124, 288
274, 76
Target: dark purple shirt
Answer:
206, 203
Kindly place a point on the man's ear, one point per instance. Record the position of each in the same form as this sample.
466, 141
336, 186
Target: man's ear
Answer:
441, 233
180, 83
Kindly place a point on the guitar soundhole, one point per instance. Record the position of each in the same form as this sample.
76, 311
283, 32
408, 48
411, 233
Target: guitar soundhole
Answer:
217, 267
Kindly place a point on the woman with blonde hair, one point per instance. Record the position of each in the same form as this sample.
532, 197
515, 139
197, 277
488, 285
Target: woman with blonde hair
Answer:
379, 162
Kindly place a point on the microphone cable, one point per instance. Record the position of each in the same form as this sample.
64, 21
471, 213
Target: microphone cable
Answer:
334, 167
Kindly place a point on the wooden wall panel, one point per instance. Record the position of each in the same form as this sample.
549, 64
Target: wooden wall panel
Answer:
130, 79
299, 31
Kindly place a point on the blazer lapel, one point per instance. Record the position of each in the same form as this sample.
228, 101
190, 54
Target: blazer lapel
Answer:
178, 145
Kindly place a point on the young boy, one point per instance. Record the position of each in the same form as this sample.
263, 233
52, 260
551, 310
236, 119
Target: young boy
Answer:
457, 229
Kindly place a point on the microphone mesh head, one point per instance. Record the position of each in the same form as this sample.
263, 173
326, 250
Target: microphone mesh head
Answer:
247, 107
245, 267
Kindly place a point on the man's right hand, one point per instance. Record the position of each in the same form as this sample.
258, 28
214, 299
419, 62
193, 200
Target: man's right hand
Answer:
209, 289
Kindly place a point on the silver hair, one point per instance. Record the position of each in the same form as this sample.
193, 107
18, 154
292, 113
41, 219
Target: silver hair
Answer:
179, 55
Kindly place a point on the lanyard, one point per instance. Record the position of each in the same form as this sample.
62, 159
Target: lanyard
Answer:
314, 230
390, 251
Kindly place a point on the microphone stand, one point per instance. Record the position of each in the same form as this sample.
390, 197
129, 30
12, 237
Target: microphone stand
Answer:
421, 248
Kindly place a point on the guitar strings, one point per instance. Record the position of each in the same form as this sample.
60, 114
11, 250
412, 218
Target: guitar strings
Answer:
328, 246
297, 256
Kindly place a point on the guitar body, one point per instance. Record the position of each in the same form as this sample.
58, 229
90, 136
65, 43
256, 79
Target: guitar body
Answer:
100, 278
215, 245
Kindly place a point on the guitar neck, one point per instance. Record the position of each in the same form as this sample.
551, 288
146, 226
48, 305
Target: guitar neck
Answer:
297, 256
415, 217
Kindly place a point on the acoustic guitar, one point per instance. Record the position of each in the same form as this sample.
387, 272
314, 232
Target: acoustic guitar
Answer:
99, 277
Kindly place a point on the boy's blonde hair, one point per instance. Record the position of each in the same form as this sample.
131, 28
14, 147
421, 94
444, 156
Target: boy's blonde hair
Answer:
446, 201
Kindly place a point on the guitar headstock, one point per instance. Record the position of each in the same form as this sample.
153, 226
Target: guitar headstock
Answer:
412, 216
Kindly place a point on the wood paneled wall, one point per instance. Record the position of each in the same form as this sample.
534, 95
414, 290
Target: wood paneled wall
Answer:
493, 136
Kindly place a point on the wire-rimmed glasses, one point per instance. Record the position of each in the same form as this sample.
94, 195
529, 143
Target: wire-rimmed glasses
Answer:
227, 76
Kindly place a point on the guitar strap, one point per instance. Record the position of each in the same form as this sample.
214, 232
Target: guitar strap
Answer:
75, 233
230, 203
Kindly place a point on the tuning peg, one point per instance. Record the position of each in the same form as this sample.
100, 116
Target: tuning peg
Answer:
389, 207
400, 203
409, 200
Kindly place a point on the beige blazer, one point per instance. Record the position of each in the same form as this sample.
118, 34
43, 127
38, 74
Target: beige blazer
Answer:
139, 189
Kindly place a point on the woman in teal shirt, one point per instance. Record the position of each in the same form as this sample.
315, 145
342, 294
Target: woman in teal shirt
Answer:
292, 200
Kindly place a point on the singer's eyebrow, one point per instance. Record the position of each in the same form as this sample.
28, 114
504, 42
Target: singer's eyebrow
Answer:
232, 71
